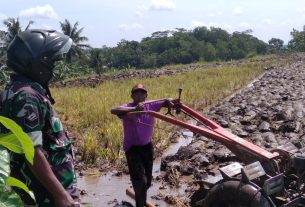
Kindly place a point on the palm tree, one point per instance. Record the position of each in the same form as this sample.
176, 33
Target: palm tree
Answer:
74, 33
98, 59
13, 27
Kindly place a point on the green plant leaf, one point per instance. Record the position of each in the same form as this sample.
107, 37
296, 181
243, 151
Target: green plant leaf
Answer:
9, 198
11, 142
4, 165
13, 182
23, 138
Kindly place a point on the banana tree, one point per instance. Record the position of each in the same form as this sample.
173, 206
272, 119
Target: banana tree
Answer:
15, 141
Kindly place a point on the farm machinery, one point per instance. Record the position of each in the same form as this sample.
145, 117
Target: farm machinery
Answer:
262, 178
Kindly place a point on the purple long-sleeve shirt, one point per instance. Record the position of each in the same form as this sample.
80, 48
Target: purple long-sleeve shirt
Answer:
138, 129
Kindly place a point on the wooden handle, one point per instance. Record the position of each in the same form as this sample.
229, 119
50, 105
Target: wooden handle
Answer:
132, 195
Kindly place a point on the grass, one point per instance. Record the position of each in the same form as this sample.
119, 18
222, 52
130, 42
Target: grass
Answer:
212, 63
86, 111
197, 64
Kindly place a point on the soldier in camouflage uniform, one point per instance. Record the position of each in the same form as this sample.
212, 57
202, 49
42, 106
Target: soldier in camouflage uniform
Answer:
27, 100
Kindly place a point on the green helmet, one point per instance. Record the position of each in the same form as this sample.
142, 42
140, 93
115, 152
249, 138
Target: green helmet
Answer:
33, 53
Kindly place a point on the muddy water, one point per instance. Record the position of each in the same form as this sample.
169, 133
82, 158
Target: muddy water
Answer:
106, 190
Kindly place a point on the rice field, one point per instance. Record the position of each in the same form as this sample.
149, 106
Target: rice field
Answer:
86, 111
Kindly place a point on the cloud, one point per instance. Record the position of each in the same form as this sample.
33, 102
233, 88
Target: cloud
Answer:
214, 14
124, 26
197, 24
162, 5
2, 16
140, 10
287, 22
139, 14
46, 26
134, 26
225, 26
301, 11
211, 24
211, 15
267, 21
43, 12
244, 25
142, 7
237, 11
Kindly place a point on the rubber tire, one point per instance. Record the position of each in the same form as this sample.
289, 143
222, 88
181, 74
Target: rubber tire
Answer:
235, 194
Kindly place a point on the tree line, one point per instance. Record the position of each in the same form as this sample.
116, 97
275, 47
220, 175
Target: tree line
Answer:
178, 46
182, 46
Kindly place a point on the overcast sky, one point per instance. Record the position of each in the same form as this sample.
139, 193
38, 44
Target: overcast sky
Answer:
107, 22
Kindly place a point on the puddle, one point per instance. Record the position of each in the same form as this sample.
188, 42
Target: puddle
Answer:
105, 190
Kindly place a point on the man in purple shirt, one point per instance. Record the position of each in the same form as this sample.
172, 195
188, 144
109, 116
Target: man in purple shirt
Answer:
137, 139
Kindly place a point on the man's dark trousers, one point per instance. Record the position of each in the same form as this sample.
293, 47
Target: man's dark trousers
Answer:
140, 163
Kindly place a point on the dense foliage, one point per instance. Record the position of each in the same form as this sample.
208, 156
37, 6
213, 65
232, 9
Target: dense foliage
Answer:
181, 47
297, 42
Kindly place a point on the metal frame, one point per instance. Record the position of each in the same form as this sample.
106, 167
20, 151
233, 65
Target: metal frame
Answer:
242, 148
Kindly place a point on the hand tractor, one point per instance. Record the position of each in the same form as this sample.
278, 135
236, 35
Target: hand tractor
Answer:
262, 178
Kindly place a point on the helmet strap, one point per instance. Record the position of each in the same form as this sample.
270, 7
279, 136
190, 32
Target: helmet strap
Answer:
48, 93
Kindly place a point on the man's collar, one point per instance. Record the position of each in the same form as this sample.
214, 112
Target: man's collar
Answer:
21, 78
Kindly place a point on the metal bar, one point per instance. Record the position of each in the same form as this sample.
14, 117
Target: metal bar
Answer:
235, 139
201, 118
196, 129
236, 144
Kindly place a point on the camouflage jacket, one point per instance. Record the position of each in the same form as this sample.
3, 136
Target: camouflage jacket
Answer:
25, 102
